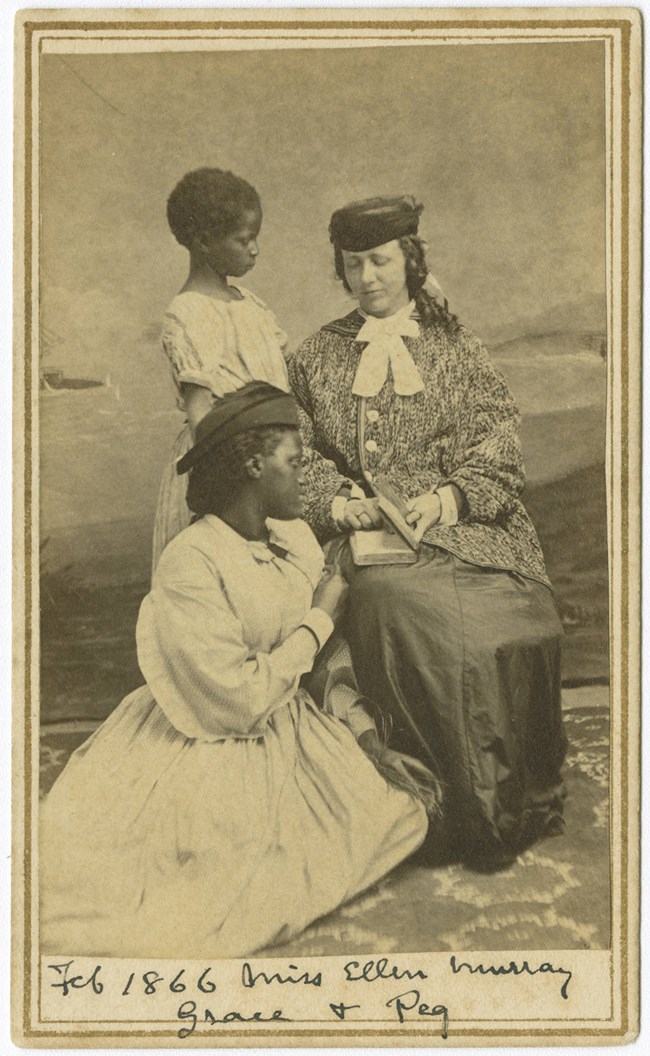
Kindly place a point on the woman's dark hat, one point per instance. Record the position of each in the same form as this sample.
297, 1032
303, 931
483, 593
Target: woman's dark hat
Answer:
250, 407
374, 221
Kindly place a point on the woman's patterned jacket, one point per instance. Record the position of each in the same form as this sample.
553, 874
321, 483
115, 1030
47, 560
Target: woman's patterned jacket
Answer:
462, 429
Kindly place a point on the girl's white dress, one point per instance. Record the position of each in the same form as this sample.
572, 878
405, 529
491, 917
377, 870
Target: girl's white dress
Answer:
218, 810
220, 345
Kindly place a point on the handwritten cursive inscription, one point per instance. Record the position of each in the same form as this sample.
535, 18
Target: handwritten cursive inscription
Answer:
410, 1000
187, 1011
514, 969
68, 981
249, 978
381, 969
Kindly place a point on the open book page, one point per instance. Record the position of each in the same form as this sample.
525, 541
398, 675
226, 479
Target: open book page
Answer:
394, 510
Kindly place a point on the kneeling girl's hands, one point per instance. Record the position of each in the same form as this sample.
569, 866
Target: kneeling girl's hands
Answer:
338, 556
331, 594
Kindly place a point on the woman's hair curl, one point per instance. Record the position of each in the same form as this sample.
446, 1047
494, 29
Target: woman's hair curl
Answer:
430, 310
220, 475
209, 202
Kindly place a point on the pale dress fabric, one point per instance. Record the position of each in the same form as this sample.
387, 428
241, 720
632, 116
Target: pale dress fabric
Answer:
220, 345
217, 810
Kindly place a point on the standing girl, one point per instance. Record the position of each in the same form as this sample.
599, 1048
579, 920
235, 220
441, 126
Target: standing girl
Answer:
217, 335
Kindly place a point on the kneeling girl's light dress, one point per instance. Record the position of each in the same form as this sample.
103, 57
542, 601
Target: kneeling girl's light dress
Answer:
221, 346
218, 810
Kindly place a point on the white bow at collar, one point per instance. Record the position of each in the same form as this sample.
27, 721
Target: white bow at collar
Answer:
385, 346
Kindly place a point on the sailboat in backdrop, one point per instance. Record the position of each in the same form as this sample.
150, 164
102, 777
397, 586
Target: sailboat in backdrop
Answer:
53, 379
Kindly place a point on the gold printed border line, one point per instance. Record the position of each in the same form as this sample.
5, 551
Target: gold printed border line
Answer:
27, 536
167, 29
625, 515
406, 26
309, 1033
398, 41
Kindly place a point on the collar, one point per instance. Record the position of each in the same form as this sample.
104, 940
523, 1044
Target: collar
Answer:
260, 550
269, 551
349, 325
384, 352
405, 312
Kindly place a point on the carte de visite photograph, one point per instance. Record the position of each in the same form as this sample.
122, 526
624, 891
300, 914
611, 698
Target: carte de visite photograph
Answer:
326, 494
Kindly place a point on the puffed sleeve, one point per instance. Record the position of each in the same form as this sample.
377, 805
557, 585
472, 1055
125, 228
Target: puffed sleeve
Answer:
279, 335
485, 458
321, 474
194, 658
193, 342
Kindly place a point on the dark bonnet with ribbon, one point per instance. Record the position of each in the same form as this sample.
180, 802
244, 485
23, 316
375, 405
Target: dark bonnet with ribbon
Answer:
254, 405
374, 221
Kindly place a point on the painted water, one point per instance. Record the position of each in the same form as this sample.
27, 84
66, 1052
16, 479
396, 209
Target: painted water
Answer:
103, 451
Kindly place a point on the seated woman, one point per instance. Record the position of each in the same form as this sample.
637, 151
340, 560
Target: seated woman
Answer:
218, 810
461, 650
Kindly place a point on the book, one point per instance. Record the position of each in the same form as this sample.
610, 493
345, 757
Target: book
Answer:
380, 547
394, 510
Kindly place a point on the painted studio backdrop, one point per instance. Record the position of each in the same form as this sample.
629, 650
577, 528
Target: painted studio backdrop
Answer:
504, 145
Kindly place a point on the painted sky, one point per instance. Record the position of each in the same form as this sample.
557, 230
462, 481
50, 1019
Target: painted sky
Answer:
504, 144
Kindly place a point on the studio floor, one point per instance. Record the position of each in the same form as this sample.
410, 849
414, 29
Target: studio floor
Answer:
555, 896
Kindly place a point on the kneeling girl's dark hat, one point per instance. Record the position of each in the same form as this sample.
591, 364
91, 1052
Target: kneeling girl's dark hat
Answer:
254, 405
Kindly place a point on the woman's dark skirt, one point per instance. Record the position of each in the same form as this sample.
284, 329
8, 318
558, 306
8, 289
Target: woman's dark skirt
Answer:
463, 664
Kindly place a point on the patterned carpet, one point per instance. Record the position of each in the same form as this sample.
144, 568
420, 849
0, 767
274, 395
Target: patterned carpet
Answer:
556, 896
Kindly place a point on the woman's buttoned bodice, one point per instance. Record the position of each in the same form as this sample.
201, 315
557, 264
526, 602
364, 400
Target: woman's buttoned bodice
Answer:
463, 428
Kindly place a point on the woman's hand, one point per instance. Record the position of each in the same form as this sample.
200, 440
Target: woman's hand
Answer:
331, 594
361, 514
425, 510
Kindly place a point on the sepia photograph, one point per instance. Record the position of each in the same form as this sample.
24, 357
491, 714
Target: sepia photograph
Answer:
326, 490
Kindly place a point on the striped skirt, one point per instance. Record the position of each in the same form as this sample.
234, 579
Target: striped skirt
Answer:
172, 511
